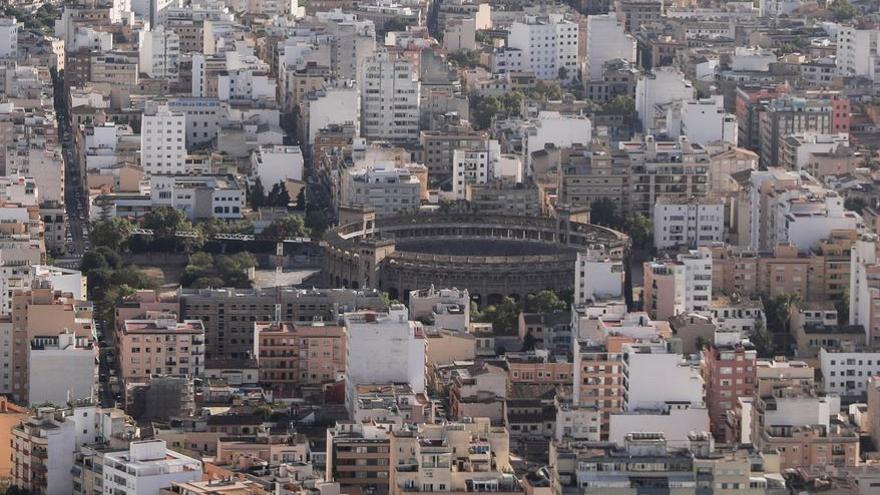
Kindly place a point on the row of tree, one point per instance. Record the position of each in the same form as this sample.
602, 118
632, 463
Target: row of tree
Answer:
277, 196
206, 270
166, 222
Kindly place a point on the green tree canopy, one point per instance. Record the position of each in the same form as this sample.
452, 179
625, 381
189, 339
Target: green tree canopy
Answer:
287, 226
112, 234
546, 301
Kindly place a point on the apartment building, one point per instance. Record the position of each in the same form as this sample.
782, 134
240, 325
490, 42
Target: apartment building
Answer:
389, 99
358, 455
780, 373
783, 207
159, 56
295, 356
43, 313
463, 457
146, 467
689, 223
199, 196
649, 458
264, 447
385, 187
229, 314
439, 148
729, 372
548, 46
606, 41
857, 51
160, 346
803, 428
383, 348
43, 445
588, 174
598, 380
864, 287
788, 115
448, 308
674, 170
62, 369
822, 274
847, 372
163, 141
682, 285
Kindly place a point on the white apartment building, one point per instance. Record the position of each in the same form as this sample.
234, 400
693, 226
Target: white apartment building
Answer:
389, 99
18, 189
203, 118
663, 393
163, 141
792, 207
702, 121
199, 196
274, 164
478, 166
387, 188
245, 84
658, 88
383, 348
559, 130
6, 364
683, 285
606, 40
353, 42
597, 277
864, 289
62, 369
147, 467
338, 105
549, 46
44, 165
798, 149
857, 51
159, 53
8, 37
848, 372
688, 223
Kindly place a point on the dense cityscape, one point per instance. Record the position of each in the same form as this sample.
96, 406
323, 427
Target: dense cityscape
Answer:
439, 247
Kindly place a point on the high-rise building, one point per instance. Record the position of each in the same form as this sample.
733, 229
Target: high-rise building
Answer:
548, 46
163, 141
159, 53
389, 99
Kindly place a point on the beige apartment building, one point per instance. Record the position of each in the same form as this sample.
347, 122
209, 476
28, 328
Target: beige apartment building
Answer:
229, 315
43, 313
143, 302
452, 458
358, 455
293, 356
598, 378
588, 174
160, 346
820, 275
266, 447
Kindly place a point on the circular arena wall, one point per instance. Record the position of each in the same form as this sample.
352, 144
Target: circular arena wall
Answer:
492, 256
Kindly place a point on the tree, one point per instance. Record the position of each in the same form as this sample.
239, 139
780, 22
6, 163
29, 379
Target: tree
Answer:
529, 342
603, 211
166, 223
563, 73
113, 233
258, 195
639, 229
624, 104
545, 301
761, 339
301, 200
842, 10
467, 59
855, 204
286, 226
842, 307
700, 343
503, 317
283, 198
